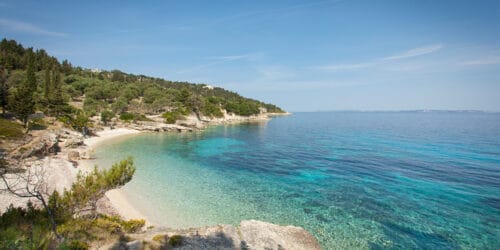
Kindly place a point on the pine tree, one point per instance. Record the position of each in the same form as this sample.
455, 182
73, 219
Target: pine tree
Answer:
24, 103
47, 84
66, 67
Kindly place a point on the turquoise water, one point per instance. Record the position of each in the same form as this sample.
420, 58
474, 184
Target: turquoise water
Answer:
353, 179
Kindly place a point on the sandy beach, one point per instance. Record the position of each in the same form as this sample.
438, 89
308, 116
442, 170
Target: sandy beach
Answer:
117, 197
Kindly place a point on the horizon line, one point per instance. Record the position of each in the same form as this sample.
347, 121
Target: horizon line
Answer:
399, 111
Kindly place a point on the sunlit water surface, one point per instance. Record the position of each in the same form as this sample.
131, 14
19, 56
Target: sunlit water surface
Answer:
353, 179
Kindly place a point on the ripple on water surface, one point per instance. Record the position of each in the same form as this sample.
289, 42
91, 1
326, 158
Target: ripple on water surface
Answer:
354, 180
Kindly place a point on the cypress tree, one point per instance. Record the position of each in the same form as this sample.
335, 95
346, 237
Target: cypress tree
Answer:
3, 89
57, 100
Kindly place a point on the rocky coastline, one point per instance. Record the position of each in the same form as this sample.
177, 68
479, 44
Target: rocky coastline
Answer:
63, 152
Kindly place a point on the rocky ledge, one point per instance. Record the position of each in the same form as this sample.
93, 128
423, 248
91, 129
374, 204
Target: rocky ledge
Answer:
250, 234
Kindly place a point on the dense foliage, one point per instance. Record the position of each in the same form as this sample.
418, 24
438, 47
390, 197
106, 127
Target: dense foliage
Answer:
33, 80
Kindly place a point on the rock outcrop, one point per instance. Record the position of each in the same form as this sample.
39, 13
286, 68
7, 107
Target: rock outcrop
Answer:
45, 144
251, 234
264, 235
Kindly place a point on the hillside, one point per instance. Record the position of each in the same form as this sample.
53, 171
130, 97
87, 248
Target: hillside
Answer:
31, 80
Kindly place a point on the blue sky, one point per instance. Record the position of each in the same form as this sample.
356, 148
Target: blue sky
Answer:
301, 55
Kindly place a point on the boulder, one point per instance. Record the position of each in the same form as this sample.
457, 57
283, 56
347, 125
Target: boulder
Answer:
264, 235
134, 245
41, 146
72, 142
73, 156
251, 234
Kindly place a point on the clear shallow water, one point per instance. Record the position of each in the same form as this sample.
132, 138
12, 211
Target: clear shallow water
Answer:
354, 180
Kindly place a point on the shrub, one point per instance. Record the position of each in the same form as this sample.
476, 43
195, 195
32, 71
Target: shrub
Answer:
79, 121
172, 116
211, 110
37, 124
106, 116
127, 116
175, 240
132, 226
159, 237
76, 245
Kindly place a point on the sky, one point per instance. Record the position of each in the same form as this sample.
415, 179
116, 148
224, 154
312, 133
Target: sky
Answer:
301, 55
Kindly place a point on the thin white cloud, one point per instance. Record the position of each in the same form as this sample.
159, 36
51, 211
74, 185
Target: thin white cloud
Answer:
250, 57
483, 61
420, 51
274, 72
271, 12
222, 59
343, 67
23, 27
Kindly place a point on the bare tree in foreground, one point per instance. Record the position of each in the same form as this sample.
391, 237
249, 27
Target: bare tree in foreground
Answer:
28, 183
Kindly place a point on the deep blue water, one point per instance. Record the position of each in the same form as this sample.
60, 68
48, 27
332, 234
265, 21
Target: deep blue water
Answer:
375, 180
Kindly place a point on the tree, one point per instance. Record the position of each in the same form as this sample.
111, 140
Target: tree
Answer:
4, 91
28, 183
56, 99
106, 116
82, 197
88, 189
66, 67
23, 103
80, 122
47, 84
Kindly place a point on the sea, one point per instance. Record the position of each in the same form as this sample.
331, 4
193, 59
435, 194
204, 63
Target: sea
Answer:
355, 180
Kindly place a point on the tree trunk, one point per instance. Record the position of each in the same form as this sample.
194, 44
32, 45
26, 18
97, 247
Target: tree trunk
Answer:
51, 216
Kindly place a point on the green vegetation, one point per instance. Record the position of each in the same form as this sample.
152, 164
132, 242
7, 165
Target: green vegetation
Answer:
128, 117
106, 116
10, 129
160, 237
172, 116
68, 220
32, 80
175, 240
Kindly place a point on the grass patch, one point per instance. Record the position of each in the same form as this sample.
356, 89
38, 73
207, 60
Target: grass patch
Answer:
10, 129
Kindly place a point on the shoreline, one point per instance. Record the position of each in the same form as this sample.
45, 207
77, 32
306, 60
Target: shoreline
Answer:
76, 154
117, 198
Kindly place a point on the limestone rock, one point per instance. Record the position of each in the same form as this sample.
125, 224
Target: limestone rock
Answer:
134, 245
73, 156
251, 234
73, 142
43, 145
264, 235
